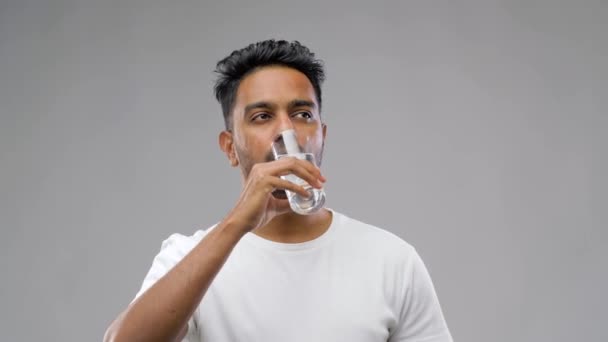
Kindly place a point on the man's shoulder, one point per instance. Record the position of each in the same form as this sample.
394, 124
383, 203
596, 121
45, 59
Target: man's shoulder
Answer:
370, 236
184, 242
352, 232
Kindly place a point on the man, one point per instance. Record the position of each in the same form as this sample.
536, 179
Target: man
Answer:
265, 273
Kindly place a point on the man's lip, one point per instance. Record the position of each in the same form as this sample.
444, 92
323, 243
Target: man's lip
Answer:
279, 194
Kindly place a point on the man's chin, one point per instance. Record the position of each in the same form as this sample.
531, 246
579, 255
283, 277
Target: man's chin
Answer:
281, 204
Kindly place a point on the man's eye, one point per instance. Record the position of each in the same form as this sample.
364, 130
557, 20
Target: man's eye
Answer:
305, 115
262, 116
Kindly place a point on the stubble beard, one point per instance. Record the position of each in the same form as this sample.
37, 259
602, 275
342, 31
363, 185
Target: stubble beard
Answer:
246, 164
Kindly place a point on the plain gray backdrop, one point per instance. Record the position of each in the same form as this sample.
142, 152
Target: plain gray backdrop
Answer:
475, 130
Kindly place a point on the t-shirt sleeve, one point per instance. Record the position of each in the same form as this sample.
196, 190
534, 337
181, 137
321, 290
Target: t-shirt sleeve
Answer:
172, 250
421, 318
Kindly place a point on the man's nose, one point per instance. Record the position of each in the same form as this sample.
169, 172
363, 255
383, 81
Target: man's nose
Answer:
285, 123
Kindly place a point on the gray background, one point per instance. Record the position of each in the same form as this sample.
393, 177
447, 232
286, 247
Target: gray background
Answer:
475, 130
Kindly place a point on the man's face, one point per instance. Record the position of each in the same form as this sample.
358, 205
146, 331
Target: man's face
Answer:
269, 101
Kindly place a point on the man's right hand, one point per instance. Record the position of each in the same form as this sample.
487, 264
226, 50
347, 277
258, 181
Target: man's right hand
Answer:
256, 205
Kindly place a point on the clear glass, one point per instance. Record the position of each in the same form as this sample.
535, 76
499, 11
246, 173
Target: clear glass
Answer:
288, 145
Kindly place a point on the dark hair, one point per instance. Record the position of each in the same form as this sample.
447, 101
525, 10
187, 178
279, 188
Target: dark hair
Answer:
240, 63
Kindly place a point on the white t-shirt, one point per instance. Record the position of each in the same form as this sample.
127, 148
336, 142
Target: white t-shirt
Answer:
356, 282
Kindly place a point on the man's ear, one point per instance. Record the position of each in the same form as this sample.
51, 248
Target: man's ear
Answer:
226, 142
324, 133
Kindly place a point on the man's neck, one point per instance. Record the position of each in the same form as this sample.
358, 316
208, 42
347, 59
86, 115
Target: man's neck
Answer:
294, 228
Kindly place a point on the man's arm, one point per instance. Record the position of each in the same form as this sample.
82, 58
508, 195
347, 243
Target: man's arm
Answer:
162, 312
421, 317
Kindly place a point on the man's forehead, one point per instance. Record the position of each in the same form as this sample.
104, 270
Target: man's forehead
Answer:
276, 85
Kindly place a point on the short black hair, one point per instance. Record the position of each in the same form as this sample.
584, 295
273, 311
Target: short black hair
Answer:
240, 63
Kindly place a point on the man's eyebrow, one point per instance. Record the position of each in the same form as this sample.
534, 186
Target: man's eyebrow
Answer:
301, 103
268, 105
258, 105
